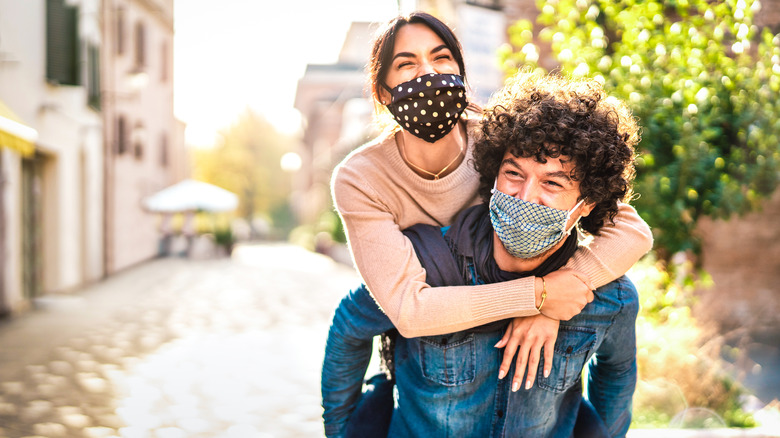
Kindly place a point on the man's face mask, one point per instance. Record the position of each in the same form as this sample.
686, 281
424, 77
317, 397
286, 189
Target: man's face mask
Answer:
527, 229
429, 106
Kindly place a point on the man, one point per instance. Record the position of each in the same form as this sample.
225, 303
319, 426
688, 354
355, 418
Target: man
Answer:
552, 153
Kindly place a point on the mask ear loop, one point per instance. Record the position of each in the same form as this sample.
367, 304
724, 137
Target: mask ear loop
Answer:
493, 190
568, 216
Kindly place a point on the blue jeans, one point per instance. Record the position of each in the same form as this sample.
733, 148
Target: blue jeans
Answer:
448, 386
347, 353
603, 338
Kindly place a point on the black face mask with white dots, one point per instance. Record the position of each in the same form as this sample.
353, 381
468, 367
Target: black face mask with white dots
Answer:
429, 106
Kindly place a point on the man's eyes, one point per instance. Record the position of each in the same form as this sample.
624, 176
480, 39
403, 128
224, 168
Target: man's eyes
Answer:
554, 184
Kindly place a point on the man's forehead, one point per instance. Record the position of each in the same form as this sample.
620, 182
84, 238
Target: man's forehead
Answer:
509, 159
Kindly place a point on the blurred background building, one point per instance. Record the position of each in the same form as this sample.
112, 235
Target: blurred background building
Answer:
86, 130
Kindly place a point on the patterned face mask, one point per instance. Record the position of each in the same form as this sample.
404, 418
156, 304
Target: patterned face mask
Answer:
527, 229
429, 106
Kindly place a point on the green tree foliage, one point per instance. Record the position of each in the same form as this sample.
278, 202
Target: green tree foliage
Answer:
246, 160
704, 82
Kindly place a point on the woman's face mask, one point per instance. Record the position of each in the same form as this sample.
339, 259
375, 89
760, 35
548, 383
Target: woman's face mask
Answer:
429, 106
526, 229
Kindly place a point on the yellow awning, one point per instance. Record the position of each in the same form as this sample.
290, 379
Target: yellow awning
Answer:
15, 134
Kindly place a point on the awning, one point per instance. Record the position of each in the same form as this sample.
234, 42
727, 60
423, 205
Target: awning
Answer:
15, 134
191, 195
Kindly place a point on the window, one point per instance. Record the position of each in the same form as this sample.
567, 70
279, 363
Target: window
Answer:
120, 31
140, 44
121, 135
139, 137
93, 76
62, 43
164, 62
164, 150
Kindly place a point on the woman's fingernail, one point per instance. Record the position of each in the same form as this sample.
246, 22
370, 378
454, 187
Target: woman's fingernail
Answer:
515, 386
527, 384
546, 373
501, 374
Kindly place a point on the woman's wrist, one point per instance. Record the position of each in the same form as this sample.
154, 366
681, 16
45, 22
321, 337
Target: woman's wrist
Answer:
539, 288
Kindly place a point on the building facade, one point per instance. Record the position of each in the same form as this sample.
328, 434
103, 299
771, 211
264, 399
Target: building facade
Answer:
144, 143
63, 181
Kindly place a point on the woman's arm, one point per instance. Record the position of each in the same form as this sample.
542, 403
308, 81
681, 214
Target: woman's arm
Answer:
389, 266
608, 256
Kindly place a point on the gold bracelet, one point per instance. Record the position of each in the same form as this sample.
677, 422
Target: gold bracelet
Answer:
544, 295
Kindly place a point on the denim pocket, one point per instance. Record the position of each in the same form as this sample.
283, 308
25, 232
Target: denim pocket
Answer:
571, 352
448, 360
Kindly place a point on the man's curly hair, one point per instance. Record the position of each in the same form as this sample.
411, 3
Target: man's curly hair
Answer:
548, 116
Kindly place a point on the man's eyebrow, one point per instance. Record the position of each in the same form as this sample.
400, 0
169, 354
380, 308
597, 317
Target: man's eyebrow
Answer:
556, 174
559, 174
510, 162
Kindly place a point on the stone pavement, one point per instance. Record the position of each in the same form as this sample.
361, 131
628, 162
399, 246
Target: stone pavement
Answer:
177, 348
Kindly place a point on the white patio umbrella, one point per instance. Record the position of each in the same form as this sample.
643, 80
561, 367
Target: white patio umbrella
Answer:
191, 195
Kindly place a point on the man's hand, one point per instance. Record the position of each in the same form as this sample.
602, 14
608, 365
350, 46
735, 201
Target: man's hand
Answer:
531, 333
568, 291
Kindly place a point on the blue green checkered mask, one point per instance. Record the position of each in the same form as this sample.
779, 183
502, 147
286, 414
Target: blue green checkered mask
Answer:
527, 229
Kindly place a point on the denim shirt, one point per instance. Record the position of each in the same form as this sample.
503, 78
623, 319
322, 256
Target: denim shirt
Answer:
447, 385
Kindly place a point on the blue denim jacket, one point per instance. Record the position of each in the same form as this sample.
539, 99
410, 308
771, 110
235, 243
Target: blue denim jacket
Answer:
448, 386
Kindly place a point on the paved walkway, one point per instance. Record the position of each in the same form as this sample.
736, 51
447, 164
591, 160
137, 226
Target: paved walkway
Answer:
179, 348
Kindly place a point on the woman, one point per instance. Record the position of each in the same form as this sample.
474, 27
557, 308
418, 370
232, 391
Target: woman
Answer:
403, 178
418, 172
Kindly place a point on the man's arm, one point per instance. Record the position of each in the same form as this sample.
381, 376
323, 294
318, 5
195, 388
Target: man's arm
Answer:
347, 353
612, 374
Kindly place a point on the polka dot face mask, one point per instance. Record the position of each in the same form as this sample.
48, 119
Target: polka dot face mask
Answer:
429, 106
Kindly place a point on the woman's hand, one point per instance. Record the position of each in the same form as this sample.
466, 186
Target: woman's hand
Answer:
568, 291
531, 333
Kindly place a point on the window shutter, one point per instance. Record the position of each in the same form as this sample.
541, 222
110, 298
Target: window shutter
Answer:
93, 77
62, 43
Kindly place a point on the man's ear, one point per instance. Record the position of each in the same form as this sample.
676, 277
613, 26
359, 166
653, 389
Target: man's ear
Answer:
586, 208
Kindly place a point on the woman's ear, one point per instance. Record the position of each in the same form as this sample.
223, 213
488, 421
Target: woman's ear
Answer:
383, 94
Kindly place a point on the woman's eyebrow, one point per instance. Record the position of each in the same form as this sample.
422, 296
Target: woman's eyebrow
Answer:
440, 48
403, 55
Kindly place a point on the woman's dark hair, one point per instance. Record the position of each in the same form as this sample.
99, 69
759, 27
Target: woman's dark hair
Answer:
384, 44
547, 116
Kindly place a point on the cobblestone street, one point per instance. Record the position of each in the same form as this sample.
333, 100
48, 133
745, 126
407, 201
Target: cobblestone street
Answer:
177, 348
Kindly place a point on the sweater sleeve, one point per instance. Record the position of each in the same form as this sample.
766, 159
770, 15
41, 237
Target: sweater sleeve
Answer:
386, 261
615, 249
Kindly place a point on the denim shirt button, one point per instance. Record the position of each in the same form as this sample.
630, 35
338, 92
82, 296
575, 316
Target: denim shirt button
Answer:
568, 349
500, 413
443, 341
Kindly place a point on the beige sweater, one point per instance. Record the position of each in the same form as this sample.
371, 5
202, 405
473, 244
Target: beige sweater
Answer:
378, 195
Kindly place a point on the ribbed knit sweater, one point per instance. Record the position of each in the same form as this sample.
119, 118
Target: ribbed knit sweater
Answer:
377, 195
